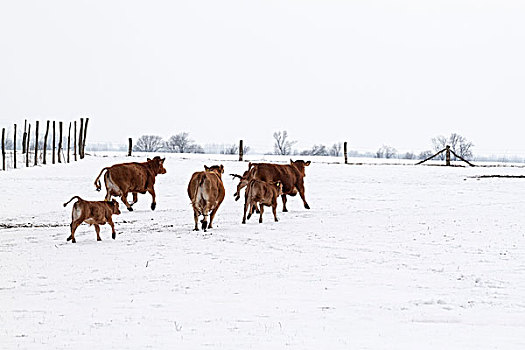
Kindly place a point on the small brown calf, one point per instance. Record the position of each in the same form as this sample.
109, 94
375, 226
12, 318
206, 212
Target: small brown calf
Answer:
92, 213
263, 193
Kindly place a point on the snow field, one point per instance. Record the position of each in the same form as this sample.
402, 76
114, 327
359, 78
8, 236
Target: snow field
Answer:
389, 257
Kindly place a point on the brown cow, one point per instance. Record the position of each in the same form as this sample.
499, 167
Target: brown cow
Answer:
92, 213
263, 193
290, 175
206, 192
121, 179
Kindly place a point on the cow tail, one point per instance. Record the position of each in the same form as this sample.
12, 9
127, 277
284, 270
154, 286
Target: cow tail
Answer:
77, 197
97, 180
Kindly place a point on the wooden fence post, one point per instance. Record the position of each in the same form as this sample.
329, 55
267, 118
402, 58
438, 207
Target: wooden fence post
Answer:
24, 137
60, 142
68, 141
75, 140
44, 161
241, 150
27, 144
36, 143
448, 156
345, 151
80, 134
3, 148
14, 149
54, 143
85, 137
130, 146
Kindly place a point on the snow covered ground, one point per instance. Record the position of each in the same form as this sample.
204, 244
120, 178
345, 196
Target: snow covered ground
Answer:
389, 257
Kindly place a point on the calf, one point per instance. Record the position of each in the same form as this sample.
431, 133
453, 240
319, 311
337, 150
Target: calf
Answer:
263, 193
92, 213
206, 192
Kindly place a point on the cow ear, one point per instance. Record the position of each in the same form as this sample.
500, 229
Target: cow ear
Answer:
291, 161
149, 159
206, 168
163, 159
222, 169
307, 163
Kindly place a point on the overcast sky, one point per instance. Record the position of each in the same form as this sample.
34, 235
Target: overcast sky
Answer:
368, 72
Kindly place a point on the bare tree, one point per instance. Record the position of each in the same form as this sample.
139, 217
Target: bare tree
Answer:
194, 148
439, 143
459, 144
335, 151
282, 145
386, 152
409, 155
179, 143
148, 143
234, 149
425, 154
317, 150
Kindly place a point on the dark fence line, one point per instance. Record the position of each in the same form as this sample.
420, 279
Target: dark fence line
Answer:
31, 149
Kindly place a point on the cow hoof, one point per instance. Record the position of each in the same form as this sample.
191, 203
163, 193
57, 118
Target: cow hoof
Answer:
153, 206
260, 221
195, 229
130, 208
244, 221
237, 198
74, 240
69, 238
306, 206
285, 210
114, 235
276, 220
99, 239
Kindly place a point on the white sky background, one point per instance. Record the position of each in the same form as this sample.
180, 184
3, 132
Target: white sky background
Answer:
367, 72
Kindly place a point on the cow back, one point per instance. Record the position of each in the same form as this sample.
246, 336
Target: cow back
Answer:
131, 177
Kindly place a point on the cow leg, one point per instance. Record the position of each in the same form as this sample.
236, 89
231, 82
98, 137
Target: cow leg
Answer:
245, 210
212, 215
97, 230
74, 226
196, 218
301, 193
113, 233
274, 210
261, 209
124, 199
284, 203
153, 203
135, 198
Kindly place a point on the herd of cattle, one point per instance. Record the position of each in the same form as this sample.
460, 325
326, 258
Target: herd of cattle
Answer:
264, 182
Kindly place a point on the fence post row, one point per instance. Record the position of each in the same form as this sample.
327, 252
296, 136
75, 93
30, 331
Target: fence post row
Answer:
36, 143
345, 151
81, 132
241, 150
85, 137
68, 141
54, 143
14, 148
28, 136
24, 137
75, 140
45, 143
59, 142
3, 148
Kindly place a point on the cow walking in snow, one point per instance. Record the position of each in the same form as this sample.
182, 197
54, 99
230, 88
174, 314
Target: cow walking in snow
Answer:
206, 192
262, 193
121, 179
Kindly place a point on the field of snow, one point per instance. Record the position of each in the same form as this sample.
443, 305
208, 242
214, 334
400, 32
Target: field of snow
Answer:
389, 257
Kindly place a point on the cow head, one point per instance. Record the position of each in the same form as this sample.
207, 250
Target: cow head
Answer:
157, 165
115, 207
217, 169
299, 165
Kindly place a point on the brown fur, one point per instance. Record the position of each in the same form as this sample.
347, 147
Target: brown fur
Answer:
92, 213
262, 193
206, 192
290, 175
121, 179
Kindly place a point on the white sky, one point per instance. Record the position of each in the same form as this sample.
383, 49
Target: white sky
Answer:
367, 72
